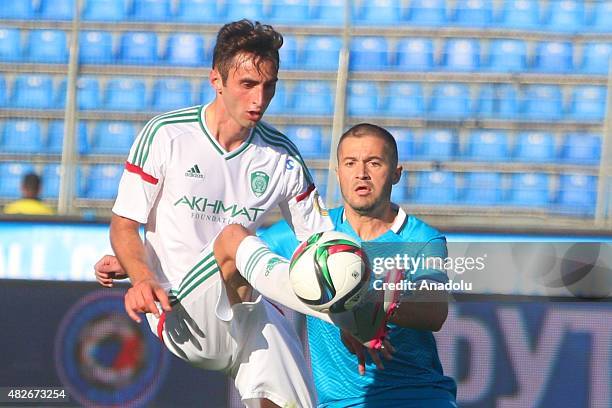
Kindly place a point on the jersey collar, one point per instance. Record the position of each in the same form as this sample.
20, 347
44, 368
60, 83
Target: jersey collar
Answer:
398, 222
220, 149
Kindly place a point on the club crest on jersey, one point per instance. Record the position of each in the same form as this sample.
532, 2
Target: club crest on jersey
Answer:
194, 172
259, 182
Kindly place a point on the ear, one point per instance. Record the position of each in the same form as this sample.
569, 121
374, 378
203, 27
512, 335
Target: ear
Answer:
397, 174
215, 80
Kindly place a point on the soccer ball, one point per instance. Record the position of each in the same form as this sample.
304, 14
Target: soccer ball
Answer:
329, 272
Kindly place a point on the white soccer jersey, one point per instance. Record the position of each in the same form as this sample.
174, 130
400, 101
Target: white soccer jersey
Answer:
185, 187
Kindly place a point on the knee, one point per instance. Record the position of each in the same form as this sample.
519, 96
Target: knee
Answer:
228, 240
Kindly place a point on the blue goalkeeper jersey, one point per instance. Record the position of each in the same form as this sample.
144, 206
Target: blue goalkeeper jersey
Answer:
414, 378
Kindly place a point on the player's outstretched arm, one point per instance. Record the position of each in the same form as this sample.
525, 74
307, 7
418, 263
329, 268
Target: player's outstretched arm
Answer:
107, 270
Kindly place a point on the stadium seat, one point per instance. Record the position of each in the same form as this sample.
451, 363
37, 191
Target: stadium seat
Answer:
523, 14
251, 9
55, 137
435, 188
186, 50
483, 189
588, 103
281, 103
602, 18
565, 16
399, 192
542, 102
596, 58
450, 101
138, 48
427, 13
330, 12
289, 53
125, 94
362, 99
151, 10
405, 143
577, 194
554, 57
51, 176
497, 101
11, 174
33, 92
534, 147
529, 190
313, 98
507, 56
17, 10
47, 46
102, 181
439, 145
289, 12
200, 11
368, 54
96, 47
114, 138
473, 13
57, 9
415, 54
377, 13
88, 94
581, 148
461, 55
3, 96
105, 10
404, 99
484, 145
321, 53
22, 136
10, 45
309, 141
171, 93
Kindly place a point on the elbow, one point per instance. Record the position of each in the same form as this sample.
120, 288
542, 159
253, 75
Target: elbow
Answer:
440, 318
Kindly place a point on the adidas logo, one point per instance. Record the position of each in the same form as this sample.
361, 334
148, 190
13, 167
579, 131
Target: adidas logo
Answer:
194, 172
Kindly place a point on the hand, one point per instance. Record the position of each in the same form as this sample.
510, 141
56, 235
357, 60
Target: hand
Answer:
141, 298
355, 347
108, 269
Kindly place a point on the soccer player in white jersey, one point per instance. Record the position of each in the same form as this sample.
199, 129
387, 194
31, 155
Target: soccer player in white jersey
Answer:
190, 173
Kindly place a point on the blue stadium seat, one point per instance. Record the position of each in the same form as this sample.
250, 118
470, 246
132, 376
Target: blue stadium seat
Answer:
186, 50
530, 190
289, 53
483, 189
200, 11
313, 98
461, 55
105, 10
369, 54
581, 148
507, 56
207, 92
33, 92
290, 12
17, 9
22, 136
577, 194
405, 143
524, 14
415, 54
542, 102
565, 16
102, 182
473, 13
251, 9
47, 46
378, 13
321, 53
10, 45
3, 96
498, 101
596, 58
602, 17
450, 101
125, 94
427, 13
57, 9
88, 94
588, 103
554, 57
96, 47
399, 192
484, 145
330, 12
281, 103
55, 137
11, 174
152, 10
436, 188
114, 138
534, 147
362, 99
439, 145
309, 141
171, 93
138, 48
404, 99
51, 176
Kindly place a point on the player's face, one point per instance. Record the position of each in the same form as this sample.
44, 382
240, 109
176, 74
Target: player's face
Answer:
365, 173
248, 90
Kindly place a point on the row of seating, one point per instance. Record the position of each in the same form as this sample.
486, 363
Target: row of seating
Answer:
562, 15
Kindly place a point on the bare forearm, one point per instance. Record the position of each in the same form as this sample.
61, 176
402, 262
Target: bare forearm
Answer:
422, 311
129, 249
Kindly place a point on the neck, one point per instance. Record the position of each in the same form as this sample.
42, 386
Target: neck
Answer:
223, 127
372, 225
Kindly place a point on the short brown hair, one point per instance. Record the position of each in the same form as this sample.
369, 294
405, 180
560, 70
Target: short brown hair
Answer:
368, 129
245, 36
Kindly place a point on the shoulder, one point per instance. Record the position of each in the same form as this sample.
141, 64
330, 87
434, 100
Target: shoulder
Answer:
416, 230
172, 124
275, 140
336, 215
